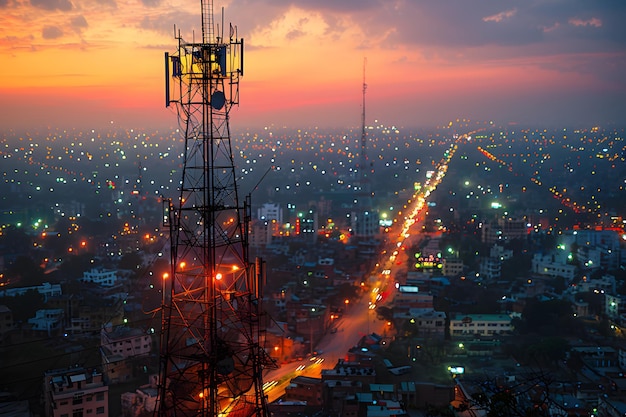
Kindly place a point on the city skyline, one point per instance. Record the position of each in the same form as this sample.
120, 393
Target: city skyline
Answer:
97, 63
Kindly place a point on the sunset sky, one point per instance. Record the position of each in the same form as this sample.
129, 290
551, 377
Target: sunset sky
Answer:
90, 63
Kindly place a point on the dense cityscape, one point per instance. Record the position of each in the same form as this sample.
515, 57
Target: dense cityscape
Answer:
494, 284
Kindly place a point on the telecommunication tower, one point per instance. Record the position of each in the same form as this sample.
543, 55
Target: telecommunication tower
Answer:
212, 332
366, 227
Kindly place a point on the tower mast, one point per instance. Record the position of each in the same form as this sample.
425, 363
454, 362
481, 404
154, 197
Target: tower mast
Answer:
363, 156
366, 224
211, 355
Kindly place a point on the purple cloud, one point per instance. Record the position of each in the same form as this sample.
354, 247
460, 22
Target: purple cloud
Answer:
51, 32
62, 5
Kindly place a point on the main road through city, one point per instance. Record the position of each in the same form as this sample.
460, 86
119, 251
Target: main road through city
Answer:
360, 317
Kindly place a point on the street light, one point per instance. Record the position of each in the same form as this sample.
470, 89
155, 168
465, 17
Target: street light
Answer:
164, 277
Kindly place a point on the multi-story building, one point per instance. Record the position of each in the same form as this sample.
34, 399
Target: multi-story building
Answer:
513, 228
307, 225
304, 388
409, 296
499, 252
596, 248
349, 373
141, 402
547, 265
308, 320
270, 211
480, 324
118, 347
100, 276
613, 306
490, 268
505, 228
46, 289
426, 322
606, 283
75, 392
452, 267
48, 320
261, 232
125, 341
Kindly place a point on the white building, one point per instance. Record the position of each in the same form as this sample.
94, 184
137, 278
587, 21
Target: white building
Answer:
101, 277
480, 324
499, 252
270, 211
548, 265
48, 321
606, 282
490, 268
46, 289
596, 248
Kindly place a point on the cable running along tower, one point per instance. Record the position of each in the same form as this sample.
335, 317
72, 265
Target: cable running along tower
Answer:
212, 324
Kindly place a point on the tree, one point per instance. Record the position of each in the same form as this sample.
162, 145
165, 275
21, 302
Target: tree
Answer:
384, 313
548, 318
548, 351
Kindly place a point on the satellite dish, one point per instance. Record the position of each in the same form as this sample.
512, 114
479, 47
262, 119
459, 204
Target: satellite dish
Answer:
218, 99
225, 366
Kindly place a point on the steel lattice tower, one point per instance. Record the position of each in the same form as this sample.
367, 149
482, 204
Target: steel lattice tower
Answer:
365, 228
212, 329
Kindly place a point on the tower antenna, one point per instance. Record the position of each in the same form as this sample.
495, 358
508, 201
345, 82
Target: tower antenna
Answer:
213, 326
365, 218
363, 156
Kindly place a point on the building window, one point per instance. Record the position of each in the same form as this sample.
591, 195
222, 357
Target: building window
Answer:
100, 410
78, 399
100, 396
77, 413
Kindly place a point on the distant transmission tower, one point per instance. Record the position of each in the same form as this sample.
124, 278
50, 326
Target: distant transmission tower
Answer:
366, 227
212, 325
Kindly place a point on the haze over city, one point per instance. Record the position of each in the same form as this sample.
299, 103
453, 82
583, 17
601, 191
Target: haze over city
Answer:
433, 221
90, 63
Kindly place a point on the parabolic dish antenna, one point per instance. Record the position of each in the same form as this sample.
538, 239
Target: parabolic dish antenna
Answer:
218, 99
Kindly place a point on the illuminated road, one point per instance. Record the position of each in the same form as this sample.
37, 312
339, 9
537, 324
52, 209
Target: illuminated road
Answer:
359, 318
